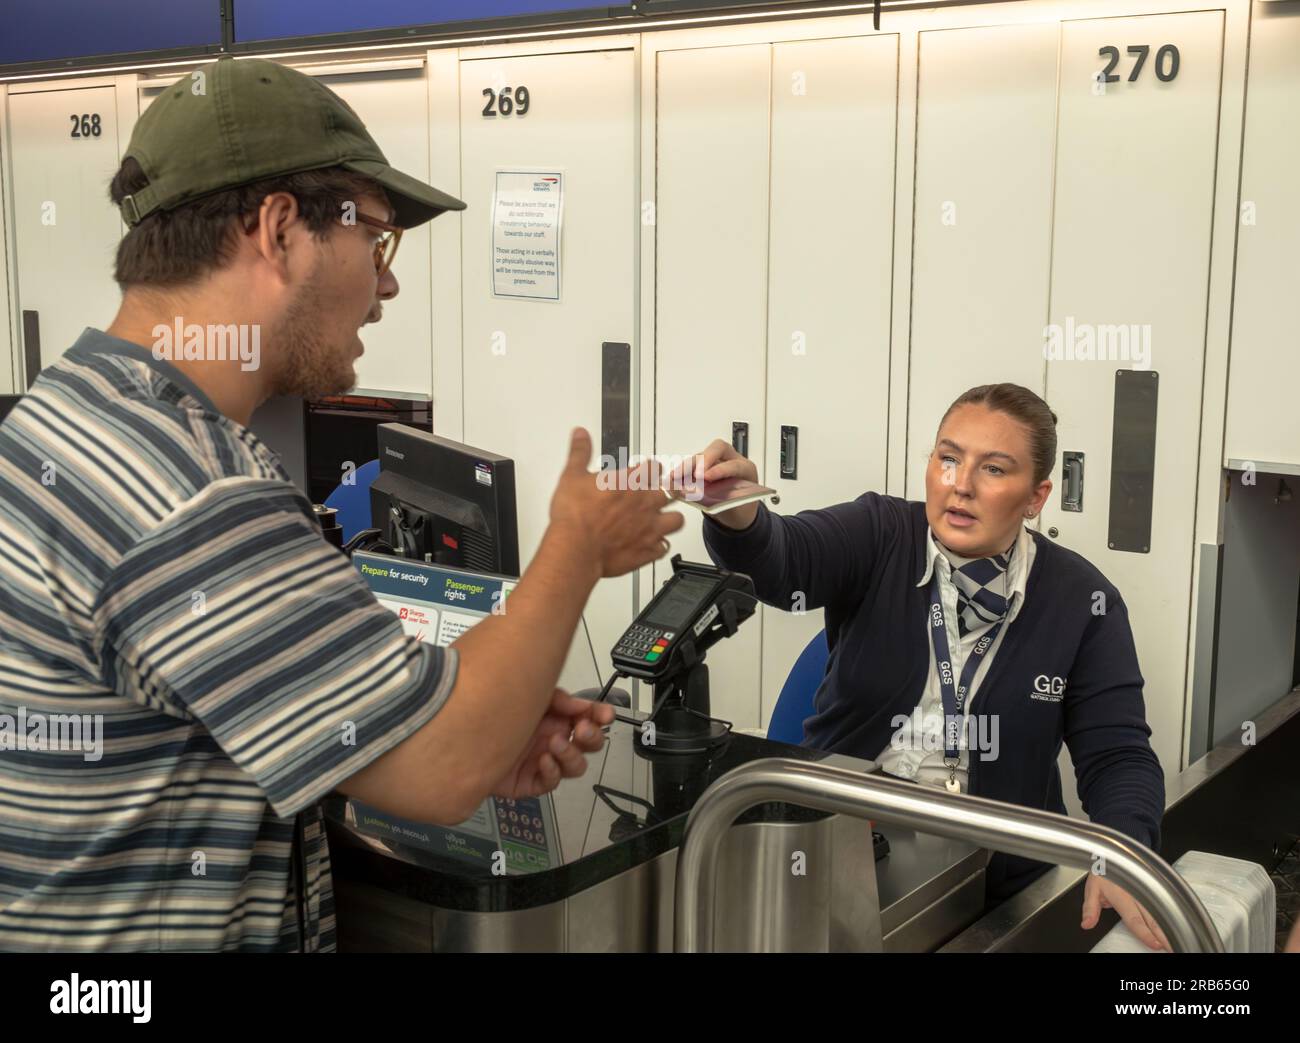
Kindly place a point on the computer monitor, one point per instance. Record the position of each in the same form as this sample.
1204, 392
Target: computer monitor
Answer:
443, 502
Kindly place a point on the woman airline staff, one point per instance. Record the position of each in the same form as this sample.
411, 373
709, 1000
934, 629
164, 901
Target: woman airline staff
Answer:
1038, 640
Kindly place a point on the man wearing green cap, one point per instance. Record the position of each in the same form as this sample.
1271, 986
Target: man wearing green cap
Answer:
186, 666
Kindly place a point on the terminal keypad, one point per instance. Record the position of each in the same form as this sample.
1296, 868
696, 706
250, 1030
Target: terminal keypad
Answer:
644, 642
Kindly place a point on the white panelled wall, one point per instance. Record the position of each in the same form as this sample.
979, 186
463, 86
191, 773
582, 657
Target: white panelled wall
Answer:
746, 172
1263, 423
711, 236
834, 107
815, 226
532, 369
63, 148
1131, 248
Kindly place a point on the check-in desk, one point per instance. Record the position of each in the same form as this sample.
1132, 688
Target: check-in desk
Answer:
591, 868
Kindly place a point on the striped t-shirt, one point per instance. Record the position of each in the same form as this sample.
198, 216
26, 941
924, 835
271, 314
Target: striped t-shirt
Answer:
185, 665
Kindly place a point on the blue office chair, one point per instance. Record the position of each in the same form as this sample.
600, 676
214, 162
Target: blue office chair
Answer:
353, 501
795, 703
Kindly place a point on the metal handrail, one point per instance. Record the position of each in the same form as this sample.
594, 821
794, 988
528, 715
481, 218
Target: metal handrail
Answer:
989, 824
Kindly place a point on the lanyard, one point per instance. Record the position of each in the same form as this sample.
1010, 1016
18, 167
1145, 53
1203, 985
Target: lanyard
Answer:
954, 698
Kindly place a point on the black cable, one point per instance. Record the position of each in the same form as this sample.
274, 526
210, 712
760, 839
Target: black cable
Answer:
608, 684
594, 661
658, 704
371, 540
605, 688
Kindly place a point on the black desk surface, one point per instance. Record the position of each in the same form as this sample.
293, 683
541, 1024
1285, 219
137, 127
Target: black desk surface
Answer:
626, 810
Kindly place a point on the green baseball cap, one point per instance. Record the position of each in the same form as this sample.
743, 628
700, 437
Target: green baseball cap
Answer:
248, 119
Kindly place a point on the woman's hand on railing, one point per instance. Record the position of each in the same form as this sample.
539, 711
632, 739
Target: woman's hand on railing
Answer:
1099, 893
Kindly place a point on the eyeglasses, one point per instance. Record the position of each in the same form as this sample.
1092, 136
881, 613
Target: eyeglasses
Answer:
386, 245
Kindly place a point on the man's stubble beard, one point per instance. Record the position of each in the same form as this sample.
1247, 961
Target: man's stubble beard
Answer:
307, 365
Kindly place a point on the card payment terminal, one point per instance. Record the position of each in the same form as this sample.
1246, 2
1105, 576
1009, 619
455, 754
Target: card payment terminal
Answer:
665, 645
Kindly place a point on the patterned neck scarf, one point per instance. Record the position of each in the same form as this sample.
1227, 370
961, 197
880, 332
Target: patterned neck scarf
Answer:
981, 588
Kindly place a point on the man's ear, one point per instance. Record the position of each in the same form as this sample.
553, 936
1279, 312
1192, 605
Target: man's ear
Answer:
279, 221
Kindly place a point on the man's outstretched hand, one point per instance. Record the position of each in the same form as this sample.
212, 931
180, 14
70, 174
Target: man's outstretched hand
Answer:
569, 730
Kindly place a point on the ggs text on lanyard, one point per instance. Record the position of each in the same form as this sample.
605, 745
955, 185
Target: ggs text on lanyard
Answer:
954, 697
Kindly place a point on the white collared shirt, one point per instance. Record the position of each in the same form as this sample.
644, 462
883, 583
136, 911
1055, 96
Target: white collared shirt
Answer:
915, 750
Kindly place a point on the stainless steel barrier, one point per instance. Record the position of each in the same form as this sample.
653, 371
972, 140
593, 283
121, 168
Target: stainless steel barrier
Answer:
1002, 827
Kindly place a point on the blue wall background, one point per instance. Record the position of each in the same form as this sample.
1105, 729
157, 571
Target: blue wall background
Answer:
271, 19
38, 30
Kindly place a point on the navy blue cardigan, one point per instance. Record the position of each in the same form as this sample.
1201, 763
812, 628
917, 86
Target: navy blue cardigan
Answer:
861, 561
